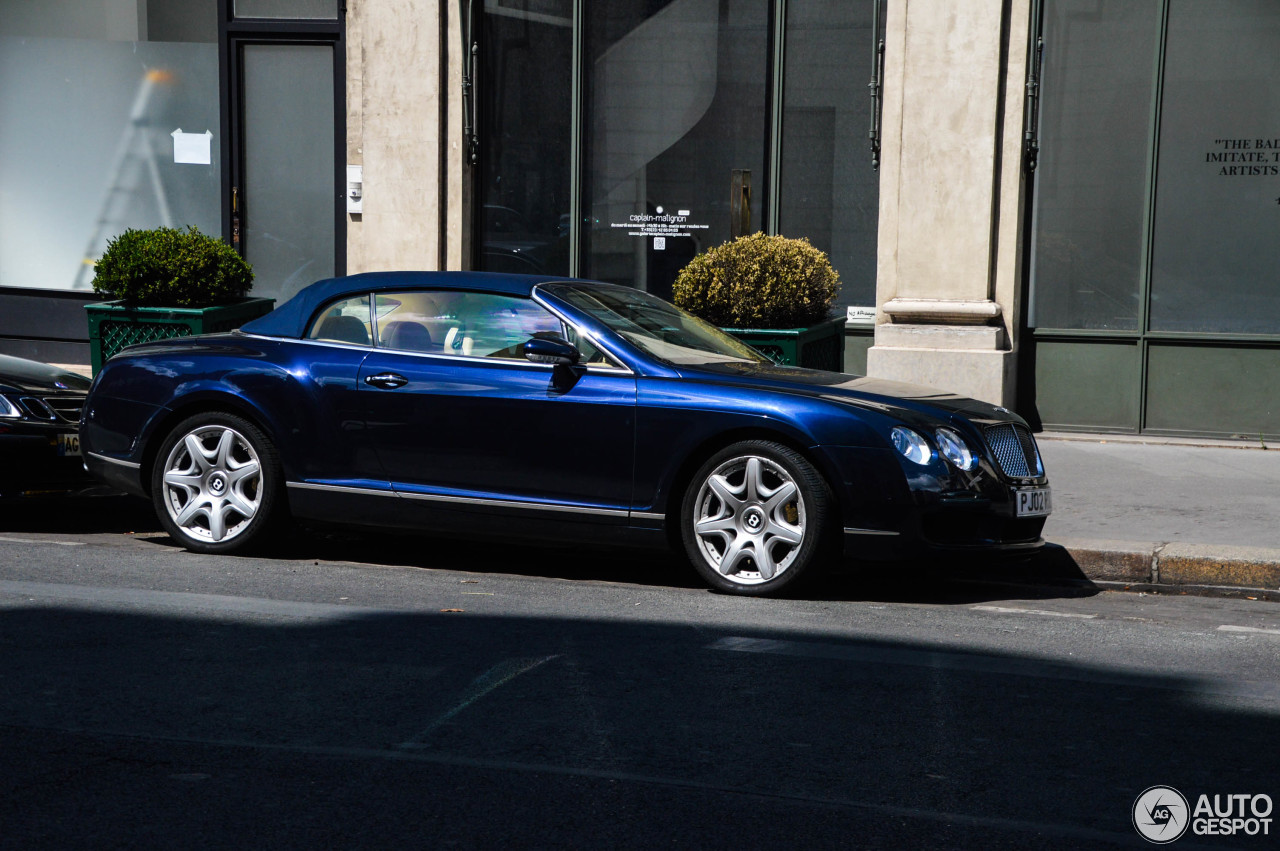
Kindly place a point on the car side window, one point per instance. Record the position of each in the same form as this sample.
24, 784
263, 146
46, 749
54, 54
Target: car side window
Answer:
346, 321
497, 326
467, 324
449, 322
413, 321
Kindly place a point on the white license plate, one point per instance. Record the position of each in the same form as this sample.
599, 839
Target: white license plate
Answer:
1031, 502
69, 445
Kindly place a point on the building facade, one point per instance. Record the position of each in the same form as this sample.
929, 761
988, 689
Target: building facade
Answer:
1069, 207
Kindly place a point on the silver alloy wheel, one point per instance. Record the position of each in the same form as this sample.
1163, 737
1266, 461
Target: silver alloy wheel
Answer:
212, 483
749, 519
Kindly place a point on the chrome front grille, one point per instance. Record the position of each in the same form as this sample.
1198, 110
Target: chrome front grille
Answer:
67, 408
54, 408
1015, 450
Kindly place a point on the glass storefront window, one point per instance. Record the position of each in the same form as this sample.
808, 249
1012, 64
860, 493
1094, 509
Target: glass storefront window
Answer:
108, 120
296, 9
830, 192
1095, 119
675, 104
525, 80
673, 122
1216, 251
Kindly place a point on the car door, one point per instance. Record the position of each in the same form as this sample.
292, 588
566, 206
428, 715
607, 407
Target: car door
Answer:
461, 420
336, 474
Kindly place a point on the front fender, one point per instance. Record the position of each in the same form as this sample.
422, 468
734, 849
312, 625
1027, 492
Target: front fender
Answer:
677, 429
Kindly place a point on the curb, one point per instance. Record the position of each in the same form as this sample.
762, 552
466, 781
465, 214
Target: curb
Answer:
1241, 442
1172, 567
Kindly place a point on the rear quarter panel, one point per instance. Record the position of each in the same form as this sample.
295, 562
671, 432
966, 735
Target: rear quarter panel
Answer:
303, 396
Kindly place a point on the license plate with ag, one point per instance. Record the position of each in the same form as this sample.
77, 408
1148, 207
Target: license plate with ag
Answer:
69, 445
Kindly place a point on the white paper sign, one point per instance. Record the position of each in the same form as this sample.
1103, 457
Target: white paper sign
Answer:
192, 148
861, 315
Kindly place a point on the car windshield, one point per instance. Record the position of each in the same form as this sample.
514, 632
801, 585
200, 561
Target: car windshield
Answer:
661, 329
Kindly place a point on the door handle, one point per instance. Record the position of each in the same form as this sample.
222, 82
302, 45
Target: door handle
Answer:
386, 380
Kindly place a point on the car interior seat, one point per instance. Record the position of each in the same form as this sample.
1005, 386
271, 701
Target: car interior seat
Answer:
344, 329
407, 336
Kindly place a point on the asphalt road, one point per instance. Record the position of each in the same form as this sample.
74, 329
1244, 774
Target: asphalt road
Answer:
353, 691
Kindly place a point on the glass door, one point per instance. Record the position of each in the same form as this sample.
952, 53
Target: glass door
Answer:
285, 83
289, 192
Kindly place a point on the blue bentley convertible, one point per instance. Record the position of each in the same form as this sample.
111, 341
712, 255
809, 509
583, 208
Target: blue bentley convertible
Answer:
516, 406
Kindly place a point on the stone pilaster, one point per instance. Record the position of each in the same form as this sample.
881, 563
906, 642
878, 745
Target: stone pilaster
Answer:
951, 187
404, 125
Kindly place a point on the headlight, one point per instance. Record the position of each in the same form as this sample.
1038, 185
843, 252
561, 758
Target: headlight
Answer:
8, 409
912, 446
955, 450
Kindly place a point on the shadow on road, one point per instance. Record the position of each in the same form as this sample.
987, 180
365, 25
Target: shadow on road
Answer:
78, 515
322, 727
957, 580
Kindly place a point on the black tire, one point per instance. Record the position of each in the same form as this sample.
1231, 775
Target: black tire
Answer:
229, 497
755, 519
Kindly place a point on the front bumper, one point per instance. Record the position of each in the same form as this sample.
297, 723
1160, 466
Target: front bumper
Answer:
31, 465
947, 532
898, 509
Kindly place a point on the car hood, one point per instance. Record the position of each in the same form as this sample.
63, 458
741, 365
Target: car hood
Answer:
29, 376
851, 389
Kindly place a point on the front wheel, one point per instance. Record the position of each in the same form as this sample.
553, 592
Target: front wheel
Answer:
216, 482
754, 518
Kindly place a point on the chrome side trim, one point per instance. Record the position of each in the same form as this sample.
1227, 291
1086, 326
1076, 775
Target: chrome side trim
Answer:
465, 500
648, 515
130, 464
306, 342
310, 486
851, 531
509, 503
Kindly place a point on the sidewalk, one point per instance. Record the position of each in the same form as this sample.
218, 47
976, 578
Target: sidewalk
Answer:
1185, 514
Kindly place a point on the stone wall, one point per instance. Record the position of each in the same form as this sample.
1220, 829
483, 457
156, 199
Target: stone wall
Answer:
951, 196
404, 126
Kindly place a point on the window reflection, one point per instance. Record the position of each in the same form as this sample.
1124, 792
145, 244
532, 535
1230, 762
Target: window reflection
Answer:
830, 192
1091, 181
675, 103
526, 79
1215, 250
92, 96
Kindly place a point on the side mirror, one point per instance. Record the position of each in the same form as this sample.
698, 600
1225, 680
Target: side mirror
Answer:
552, 349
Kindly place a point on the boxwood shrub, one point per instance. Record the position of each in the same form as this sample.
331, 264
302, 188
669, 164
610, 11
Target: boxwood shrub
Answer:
759, 281
169, 267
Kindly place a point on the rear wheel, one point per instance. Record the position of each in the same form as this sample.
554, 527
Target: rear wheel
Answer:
216, 483
754, 518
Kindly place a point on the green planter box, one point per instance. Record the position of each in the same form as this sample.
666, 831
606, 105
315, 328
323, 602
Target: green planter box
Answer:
112, 326
819, 346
